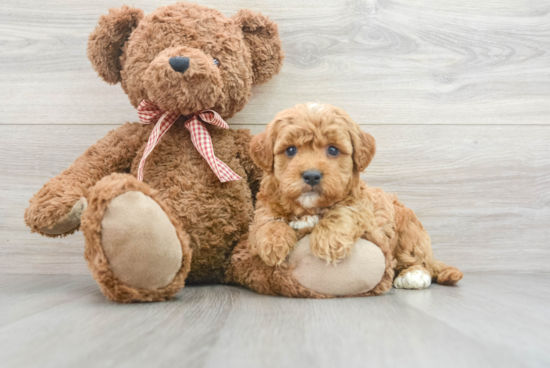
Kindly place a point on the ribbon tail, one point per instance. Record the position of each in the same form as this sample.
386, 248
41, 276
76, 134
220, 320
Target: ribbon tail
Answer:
203, 143
161, 127
224, 172
213, 118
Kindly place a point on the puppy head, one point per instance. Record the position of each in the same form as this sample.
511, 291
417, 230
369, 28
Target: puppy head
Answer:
313, 154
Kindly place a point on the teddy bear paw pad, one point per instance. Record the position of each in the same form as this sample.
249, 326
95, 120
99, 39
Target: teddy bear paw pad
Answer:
140, 241
361, 271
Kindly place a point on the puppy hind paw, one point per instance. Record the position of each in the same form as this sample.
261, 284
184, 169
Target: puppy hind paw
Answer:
417, 279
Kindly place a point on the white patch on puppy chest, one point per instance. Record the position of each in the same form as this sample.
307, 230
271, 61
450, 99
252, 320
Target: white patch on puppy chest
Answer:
416, 279
305, 222
308, 200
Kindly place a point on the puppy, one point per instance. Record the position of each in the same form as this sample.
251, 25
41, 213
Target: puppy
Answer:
312, 156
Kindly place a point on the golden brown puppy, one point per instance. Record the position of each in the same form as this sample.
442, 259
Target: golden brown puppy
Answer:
313, 155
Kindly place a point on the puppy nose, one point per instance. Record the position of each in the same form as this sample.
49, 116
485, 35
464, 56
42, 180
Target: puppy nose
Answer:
179, 63
312, 177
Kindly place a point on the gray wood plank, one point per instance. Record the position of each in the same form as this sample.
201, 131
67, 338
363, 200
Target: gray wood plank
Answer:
393, 62
481, 192
500, 310
464, 326
18, 293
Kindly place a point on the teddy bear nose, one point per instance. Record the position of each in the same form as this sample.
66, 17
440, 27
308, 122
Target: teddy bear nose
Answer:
312, 177
179, 63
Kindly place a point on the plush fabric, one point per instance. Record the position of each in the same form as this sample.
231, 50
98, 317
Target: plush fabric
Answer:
360, 272
132, 222
100, 196
227, 56
69, 222
249, 270
107, 41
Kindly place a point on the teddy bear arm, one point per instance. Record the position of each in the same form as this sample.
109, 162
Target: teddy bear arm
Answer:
56, 208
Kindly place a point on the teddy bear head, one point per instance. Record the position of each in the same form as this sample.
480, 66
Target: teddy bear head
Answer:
186, 57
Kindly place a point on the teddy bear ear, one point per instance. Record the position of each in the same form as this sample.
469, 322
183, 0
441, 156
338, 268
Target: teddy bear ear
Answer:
262, 37
106, 42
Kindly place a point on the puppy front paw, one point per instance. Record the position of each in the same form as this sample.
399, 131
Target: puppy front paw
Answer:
330, 244
273, 254
274, 243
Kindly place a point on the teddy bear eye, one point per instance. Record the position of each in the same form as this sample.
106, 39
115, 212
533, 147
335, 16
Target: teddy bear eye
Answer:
217, 62
333, 151
291, 151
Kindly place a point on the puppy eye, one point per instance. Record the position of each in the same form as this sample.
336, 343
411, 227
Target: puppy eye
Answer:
217, 62
291, 151
333, 151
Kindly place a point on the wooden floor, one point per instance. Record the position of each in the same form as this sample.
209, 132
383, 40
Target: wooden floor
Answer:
489, 320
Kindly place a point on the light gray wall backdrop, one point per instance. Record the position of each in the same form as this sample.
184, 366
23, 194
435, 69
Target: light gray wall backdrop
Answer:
456, 94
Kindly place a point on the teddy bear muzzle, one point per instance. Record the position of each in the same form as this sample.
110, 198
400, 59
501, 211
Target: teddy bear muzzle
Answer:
183, 80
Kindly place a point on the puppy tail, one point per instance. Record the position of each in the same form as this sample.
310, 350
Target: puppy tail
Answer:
445, 274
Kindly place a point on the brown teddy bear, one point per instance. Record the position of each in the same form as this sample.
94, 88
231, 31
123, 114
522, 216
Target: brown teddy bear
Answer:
167, 201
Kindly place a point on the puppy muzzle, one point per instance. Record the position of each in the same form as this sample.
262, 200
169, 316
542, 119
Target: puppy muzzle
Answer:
312, 177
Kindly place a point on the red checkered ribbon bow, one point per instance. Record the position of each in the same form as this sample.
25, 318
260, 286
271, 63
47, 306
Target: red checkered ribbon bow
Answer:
149, 113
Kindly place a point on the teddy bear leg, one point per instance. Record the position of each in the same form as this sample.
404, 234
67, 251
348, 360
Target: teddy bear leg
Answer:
248, 270
135, 247
367, 271
360, 273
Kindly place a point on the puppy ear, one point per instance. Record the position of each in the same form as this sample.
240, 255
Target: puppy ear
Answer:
261, 151
106, 42
262, 37
364, 148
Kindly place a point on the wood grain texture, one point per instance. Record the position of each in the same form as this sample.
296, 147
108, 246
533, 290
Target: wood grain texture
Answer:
454, 92
489, 320
393, 62
481, 192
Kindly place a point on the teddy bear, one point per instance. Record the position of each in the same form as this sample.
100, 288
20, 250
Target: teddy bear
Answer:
165, 201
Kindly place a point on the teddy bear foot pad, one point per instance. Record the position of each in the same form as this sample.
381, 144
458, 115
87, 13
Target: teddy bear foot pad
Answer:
358, 273
137, 249
140, 241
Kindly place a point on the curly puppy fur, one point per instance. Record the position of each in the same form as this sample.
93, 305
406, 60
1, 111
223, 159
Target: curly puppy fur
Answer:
347, 208
133, 49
